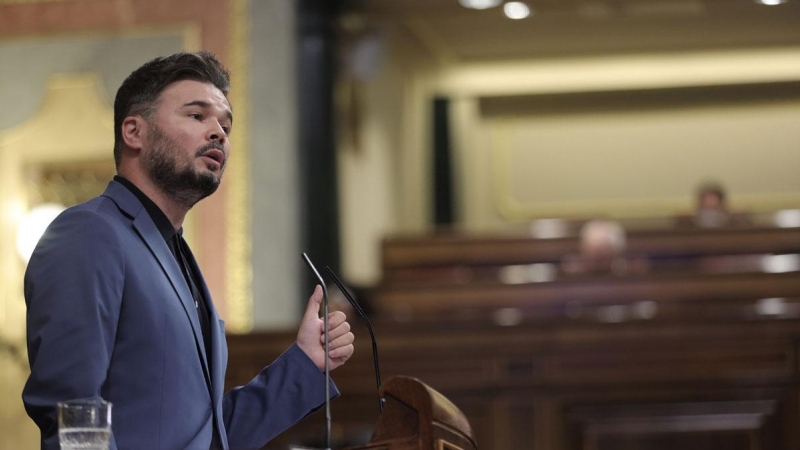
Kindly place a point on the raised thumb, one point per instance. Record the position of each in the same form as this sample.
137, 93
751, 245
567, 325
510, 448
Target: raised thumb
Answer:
314, 301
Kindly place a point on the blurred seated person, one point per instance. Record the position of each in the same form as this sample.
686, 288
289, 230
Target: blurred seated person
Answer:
711, 209
602, 252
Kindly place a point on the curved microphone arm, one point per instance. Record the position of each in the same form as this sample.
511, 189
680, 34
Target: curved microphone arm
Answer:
363, 315
327, 352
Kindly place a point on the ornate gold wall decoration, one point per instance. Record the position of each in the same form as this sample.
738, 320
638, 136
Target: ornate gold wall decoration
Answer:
67, 183
32, 155
239, 285
58, 132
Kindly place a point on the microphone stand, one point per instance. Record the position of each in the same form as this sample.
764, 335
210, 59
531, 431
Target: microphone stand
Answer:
327, 352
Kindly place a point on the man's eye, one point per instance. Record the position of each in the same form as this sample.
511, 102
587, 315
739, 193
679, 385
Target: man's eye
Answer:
227, 130
196, 116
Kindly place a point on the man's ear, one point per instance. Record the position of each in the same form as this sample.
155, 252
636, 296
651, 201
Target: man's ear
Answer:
133, 132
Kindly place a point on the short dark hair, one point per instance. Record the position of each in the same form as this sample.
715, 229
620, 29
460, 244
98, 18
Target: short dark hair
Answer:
139, 93
711, 187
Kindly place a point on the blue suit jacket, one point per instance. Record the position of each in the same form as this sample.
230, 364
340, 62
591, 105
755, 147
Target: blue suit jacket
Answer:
110, 315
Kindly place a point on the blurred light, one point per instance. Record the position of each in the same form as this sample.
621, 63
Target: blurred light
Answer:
479, 4
527, 273
549, 228
788, 218
32, 225
516, 10
771, 2
771, 307
542, 272
781, 263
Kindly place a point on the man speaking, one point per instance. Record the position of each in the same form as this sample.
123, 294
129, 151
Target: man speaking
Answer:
118, 308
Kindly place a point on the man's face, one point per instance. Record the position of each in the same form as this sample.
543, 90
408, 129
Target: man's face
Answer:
710, 201
187, 144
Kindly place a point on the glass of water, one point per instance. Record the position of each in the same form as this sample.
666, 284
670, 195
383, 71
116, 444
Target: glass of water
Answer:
84, 424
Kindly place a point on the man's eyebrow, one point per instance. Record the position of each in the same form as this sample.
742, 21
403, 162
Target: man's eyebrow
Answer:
204, 104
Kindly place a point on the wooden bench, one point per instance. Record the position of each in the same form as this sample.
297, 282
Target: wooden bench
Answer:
455, 249
574, 385
561, 299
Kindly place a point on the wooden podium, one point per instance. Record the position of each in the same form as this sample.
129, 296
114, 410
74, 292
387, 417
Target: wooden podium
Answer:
416, 417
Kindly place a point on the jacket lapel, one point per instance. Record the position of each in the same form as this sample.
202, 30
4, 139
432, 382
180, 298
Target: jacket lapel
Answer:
217, 365
218, 347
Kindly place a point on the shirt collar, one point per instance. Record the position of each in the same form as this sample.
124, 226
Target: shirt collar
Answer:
159, 218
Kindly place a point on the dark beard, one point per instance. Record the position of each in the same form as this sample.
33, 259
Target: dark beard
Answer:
184, 185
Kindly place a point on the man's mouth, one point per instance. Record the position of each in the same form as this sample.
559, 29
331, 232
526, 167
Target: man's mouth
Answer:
215, 155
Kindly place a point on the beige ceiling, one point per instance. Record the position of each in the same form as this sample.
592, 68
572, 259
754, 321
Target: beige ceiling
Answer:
588, 27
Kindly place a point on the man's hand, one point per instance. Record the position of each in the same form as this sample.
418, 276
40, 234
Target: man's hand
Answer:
311, 336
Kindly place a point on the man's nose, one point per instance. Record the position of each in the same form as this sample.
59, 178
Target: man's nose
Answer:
216, 133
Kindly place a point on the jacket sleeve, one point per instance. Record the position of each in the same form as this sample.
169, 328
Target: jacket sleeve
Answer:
73, 291
281, 395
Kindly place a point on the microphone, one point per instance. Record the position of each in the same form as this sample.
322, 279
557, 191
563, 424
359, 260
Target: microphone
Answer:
363, 316
327, 352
